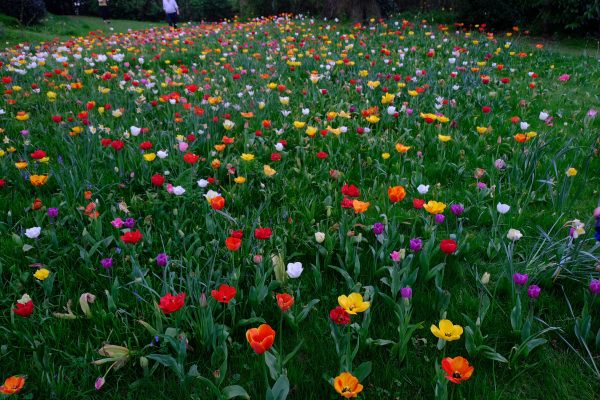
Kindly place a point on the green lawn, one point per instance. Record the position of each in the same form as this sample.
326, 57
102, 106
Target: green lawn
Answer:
63, 28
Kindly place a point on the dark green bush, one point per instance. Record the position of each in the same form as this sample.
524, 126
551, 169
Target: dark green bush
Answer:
28, 12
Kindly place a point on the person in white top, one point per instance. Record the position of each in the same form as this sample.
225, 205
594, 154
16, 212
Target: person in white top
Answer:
172, 10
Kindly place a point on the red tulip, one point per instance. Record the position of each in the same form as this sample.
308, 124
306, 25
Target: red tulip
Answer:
169, 303
448, 246
225, 294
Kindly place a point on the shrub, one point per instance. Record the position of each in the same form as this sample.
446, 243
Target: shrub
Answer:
28, 12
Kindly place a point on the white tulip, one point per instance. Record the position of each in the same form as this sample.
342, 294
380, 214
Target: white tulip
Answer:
514, 234
502, 208
319, 237
423, 189
294, 270
33, 233
178, 190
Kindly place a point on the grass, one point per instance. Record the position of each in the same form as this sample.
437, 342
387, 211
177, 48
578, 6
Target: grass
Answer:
63, 28
303, 198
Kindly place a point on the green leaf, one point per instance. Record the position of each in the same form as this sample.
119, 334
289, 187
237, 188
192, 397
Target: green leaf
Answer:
345, 275
272, 364
165, 360
233, 391
382, 342
532, 344
492, 355
304, 313
281, 388
363, 370
293, 353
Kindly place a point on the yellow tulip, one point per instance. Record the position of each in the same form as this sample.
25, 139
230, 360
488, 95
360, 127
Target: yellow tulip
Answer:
447, 331
353, 303
150, 157
434, 207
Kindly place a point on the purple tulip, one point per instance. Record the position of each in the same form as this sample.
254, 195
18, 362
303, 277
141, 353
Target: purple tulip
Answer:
481, 185
162, 259
595, 286
439, 218
53, 212
406, 292
500, 164
520, 279
396, 256
378, 228
533, 291
117, 223
130, 223
457, 209
99, 383
106, 262
416, 244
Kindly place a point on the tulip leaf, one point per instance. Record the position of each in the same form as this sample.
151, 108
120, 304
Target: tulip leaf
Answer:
363, 370
233, 391
281, 388
165, 360
304, 313
272, 364
293, 353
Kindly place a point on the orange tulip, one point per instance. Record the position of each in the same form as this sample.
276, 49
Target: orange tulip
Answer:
285, 301
12, 385
360, 206
402, 149
520, 137
396, 193
347, 385
261, 339
457, 369
217, 203
38, 180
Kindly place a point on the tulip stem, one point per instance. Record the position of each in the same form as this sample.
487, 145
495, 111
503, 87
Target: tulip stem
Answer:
280, 343
265, 375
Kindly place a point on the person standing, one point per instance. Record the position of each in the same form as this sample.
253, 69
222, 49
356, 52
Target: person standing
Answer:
172, 10
103, 6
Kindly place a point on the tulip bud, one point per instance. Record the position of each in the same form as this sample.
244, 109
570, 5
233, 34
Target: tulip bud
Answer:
485, 279
278, 267
203, 302
319, 237
84, 301
143, 362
